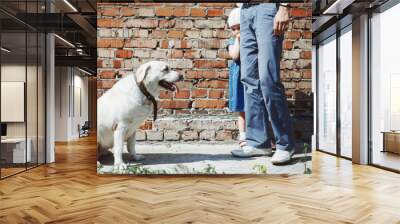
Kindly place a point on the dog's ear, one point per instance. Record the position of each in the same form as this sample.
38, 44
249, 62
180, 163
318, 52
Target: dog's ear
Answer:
142, 72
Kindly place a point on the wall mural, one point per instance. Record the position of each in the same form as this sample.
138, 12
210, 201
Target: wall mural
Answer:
191, 88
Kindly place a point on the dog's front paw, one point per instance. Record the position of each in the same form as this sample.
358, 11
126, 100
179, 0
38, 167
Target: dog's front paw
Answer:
138, 157
120, 168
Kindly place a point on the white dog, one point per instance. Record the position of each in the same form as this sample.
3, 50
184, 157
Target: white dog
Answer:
124, 107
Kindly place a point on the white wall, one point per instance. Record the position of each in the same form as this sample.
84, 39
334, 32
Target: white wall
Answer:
33, 126
61, 103
71, 94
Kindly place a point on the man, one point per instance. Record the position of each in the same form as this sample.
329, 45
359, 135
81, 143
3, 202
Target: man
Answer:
262, 29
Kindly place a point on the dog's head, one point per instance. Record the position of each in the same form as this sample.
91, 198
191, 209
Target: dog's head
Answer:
157, 75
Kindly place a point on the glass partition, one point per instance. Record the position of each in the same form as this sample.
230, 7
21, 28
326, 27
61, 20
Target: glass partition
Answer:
385, 89
327, 95
13, 103
346, 92
22, 88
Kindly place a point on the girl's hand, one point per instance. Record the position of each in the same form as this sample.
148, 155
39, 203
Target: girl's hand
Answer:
238, 36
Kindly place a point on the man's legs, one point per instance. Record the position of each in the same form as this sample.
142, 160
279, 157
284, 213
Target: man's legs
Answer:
256, 114
257, 141
273, 91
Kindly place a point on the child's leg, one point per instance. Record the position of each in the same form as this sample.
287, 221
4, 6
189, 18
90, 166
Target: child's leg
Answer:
242, 126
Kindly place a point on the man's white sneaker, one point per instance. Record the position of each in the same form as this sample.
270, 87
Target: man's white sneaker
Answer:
249, 151
281, 156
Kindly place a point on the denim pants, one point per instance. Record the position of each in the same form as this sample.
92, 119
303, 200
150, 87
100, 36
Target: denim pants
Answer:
265, 99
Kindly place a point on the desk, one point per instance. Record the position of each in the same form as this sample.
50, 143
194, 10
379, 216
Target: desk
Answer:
13, 150
391, 141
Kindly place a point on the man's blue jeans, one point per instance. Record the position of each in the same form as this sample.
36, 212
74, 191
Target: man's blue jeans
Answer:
265, 99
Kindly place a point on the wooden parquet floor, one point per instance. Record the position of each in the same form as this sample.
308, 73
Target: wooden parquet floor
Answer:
70, 191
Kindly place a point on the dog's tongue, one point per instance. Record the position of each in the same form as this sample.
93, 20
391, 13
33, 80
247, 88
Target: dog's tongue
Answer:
176, 88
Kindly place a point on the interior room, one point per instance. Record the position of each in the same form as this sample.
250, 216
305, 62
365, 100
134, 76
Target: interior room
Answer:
338, 45
47, 83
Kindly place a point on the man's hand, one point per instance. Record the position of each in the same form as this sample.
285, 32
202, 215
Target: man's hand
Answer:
281, 20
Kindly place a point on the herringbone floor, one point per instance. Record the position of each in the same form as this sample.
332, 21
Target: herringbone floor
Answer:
70, 191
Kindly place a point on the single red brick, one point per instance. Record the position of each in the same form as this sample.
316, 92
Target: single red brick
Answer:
176, 53
211, 74
293, 34
215, 84
107, 74
287, 44
199, 93
215, 12
192, 54
110, 23
107, 43
210, 63
300, 12
164, 11
105, 84
159, 34
183, 94
209, 103
164, 44
307, 74
124, 53
193, 74
181, 11
198, 12
184, 44
164, 94
306, 54
117, 63
307, 34
176, 34
126, 11
175, 104
216, 94
110, 11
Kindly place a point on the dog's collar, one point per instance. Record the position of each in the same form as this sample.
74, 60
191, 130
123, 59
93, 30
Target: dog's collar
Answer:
148, 95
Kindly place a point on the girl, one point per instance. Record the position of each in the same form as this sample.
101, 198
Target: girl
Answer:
236, 89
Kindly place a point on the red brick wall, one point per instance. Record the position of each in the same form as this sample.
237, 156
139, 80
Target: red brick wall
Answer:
192, 38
